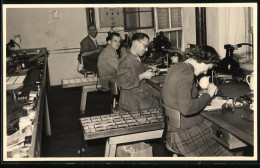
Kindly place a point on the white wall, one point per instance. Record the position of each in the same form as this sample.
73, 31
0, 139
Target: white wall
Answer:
228, 26
37, 28
189, 27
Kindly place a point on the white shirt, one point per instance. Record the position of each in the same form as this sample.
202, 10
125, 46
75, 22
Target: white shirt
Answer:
94, 39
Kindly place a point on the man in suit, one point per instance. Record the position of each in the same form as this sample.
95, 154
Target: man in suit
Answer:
89, 50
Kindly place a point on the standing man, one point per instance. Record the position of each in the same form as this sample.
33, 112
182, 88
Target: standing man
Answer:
135, 93
89, 50
108, 60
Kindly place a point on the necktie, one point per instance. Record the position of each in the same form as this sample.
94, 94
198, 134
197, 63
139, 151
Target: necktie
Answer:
96, 42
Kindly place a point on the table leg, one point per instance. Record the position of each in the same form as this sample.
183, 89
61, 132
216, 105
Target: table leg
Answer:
107, 148
112, 150
83, 100
85, 90
47, 118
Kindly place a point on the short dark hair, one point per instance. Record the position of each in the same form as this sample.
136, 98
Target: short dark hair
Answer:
91, 25
111, 35
202, 53
139, 36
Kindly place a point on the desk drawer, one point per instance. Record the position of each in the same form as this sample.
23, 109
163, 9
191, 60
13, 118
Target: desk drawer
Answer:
226, 138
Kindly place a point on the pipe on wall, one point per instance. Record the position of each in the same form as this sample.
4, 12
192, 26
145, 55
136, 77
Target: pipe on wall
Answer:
201, 31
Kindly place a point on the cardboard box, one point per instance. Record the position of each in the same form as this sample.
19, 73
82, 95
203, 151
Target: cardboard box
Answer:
139, 149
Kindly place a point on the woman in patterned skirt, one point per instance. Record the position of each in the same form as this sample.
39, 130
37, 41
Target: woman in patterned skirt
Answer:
192, 136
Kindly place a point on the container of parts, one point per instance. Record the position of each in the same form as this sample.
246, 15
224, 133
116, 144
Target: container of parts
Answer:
32, 114
139, 149
24, 122
21, 97
22, 152
28, 136
27, 108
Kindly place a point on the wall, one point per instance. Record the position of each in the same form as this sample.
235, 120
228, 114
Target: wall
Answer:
228, 26
37, 29
189, 27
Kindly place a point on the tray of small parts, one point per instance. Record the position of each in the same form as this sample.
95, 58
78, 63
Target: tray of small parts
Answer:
122, 123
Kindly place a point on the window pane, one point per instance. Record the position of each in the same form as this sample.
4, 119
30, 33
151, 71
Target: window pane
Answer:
132, 20
179, 38
145, 9
163, 18
146, 19
173, 39
131, 9
176, 17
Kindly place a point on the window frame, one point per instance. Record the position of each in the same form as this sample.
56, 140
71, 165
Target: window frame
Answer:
139, 21
170, 29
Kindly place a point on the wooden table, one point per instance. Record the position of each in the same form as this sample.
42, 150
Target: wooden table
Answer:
231, 122
84, 95
88, 84
112, 142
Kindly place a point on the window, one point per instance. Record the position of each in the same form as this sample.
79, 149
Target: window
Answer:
169, 21
138, 18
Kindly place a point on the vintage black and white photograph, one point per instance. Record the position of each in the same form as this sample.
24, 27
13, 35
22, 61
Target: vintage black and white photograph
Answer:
127, 82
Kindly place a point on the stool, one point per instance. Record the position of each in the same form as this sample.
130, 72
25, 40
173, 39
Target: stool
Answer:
173, 117
112, 142
81, 69
175, 154
84, 72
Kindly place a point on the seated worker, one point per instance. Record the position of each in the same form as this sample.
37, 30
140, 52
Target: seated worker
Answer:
89, 50
135, 93
108, 60
180, 93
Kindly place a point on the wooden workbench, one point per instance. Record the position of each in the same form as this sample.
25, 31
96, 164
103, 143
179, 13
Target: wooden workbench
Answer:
42, 111
233, 123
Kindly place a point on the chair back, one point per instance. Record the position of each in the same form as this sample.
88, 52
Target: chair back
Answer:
174, 116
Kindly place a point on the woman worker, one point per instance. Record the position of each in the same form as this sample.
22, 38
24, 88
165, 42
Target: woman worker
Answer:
192, 137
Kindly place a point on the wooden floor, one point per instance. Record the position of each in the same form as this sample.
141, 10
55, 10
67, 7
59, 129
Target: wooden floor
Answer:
66, 139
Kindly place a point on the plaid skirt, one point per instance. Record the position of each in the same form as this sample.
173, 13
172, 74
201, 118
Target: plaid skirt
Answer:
196, 141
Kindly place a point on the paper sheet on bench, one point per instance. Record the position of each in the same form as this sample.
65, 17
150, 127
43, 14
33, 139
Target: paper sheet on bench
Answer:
215, 104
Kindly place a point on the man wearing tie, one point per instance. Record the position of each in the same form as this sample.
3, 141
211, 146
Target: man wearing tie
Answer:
89, 50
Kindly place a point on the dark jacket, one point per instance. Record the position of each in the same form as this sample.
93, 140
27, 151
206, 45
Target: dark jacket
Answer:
107, 66
89, 62
180, 93
135, 95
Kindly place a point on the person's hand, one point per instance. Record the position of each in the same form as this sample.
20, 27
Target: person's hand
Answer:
156, 70
212, 89
146, 75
